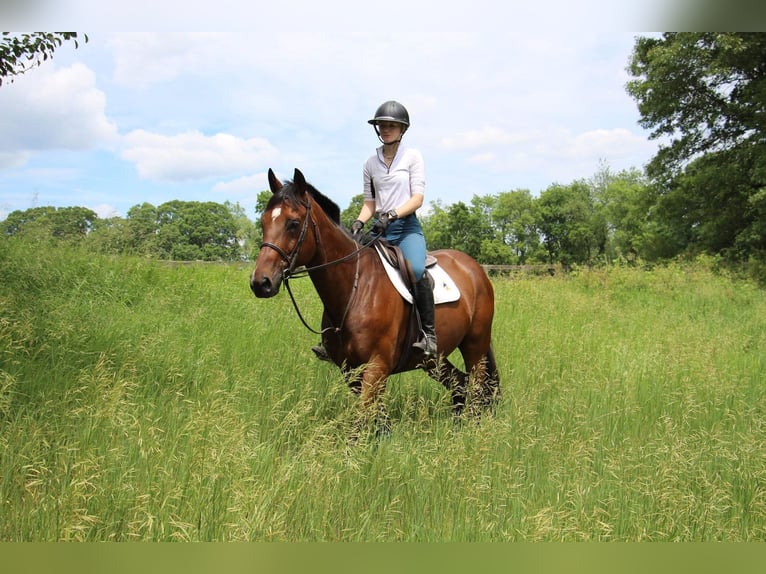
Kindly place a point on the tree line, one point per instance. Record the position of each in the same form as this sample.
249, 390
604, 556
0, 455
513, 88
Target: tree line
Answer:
175, 230
606, 218
704, 94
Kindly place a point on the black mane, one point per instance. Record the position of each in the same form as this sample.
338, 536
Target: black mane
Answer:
328, 205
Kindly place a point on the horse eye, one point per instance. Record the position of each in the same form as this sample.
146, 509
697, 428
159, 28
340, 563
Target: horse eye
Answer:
293, 224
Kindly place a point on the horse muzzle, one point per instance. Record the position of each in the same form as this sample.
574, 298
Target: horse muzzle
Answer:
264, 286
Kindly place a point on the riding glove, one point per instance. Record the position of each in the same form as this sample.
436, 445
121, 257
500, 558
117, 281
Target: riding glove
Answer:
356, 230
383, 220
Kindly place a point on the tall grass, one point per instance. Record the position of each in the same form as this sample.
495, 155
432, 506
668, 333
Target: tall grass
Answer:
147, 401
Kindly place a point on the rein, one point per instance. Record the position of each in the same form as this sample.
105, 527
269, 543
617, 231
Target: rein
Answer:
290, 272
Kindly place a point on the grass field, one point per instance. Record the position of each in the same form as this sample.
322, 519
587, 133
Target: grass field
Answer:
147, 401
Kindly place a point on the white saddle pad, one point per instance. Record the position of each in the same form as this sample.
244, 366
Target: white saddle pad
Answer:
445, 289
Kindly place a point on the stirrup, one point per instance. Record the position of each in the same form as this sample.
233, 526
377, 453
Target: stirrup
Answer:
427, 344
321, 353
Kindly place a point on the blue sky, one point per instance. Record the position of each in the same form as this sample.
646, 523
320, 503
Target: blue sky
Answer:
500, 98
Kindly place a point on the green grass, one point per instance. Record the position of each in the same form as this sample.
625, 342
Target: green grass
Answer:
146, 401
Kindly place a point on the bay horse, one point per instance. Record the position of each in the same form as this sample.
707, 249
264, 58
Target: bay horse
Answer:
365, 318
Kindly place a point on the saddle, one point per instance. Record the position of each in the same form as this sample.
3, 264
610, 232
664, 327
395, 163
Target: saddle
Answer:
393, 255
398, 270
393, 258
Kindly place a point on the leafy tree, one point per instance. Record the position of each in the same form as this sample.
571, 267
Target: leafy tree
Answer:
73, 222
706, 93
492, 249
435, 227
715, 207
466, 229
110, 235
21, 53
349, 214
142, 229
260, 204
22, 221
192, 230
65, 223
514, 215
495, 252
248, 233
573, 232
624, 202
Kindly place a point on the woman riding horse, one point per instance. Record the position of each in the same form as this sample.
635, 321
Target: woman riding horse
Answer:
366, 321
394, 188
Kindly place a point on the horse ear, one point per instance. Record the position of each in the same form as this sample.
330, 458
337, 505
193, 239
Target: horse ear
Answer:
299, 181
274, 183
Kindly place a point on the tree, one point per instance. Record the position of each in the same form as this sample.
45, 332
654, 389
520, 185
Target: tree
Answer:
193, 230
22, 221
19, 54
248, 233
514, 215
350, 214
142, 229
65, 223
467, 228
573, 232
706, 92
624, 200
261, 203
110, 235
435, 227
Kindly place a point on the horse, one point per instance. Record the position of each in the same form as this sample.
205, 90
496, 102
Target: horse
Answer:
365, 319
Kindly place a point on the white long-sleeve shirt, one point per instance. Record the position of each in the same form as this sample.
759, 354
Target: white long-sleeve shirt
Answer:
394, 185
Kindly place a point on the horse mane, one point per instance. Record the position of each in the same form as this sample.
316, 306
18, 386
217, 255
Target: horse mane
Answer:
328, 205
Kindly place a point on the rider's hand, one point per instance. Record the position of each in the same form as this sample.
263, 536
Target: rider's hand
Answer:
356, 230
382, 223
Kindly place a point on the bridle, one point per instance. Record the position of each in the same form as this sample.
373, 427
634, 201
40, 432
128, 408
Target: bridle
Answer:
291, 259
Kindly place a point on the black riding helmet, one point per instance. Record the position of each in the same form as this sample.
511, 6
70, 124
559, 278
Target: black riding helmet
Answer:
390, 111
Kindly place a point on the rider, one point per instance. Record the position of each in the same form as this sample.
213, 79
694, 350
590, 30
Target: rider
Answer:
394, 187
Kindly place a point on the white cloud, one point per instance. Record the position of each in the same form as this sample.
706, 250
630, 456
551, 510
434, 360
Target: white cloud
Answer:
616, 143
492, 143
12, 159
193, 155
105, 211
249, 184
52, 109
145, 58
489, 136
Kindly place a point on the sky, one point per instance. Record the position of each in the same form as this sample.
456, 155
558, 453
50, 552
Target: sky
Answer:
501, 96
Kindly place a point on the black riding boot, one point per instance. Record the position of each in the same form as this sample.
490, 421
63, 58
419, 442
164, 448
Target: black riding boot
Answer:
424, 299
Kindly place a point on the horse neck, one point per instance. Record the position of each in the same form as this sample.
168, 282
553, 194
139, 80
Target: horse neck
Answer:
333, 282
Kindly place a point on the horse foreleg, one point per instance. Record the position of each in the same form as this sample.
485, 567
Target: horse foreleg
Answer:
453, 379
371, 387
353, 380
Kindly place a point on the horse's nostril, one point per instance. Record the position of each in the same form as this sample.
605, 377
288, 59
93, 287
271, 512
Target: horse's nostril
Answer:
262, 288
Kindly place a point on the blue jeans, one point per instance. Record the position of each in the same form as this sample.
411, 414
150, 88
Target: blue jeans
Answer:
408, 235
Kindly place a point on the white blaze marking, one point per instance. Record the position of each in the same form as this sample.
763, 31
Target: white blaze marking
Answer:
276, 212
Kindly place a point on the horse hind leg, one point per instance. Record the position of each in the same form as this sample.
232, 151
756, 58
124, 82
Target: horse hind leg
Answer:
488, 394
483, 388
453, 379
